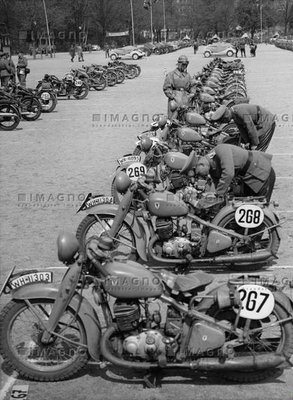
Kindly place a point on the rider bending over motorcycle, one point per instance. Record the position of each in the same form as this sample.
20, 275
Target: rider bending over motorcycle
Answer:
252, 168
256, 124
178, 86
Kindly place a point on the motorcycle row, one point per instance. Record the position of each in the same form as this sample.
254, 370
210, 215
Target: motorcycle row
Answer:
142, 246
17, 102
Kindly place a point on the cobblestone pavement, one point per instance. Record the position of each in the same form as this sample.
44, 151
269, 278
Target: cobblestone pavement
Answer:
48, 166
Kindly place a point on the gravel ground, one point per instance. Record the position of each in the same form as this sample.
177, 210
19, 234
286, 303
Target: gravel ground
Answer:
48, 166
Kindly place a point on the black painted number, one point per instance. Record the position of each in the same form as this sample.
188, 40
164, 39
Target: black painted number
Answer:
136, 171
18, 394
252, 299
248, 216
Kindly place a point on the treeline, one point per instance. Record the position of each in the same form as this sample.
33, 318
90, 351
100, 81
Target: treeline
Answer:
90, 20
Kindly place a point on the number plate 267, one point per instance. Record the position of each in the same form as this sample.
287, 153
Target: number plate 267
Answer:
249, 216
257, 302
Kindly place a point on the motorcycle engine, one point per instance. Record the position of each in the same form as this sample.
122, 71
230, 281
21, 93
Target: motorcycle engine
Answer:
164, 228
127, 314
177, 247
178, 180
148, 344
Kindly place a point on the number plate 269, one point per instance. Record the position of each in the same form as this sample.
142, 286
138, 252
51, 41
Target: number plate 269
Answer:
257, 302
136, 170
249, 216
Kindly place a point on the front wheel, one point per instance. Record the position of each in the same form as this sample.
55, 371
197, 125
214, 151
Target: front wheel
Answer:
31, 108
97, 225
230, 53
10, 118
99, 83
270, 336
82, 91
48, 101
21, 347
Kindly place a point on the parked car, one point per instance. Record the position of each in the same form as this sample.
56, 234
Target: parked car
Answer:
219, 49
126, 52
96, 47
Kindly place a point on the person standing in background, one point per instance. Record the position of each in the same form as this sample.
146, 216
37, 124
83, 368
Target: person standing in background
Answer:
72, 52
22, 69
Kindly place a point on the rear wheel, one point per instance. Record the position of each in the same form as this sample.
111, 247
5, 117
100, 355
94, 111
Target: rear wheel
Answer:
21, 347
267, 239
271, 338
99, 224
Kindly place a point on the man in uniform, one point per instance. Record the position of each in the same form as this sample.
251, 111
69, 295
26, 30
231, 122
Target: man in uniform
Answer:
177, 86
256, 124
226, 162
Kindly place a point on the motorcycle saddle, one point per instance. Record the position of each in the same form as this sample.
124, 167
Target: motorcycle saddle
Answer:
190, 282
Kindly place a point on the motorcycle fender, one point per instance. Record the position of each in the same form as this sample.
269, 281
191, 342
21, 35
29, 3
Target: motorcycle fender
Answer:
267, 212
79, 304
136, 227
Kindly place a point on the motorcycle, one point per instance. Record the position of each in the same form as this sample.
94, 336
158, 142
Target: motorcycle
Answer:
68, 86
242, 329
181, 229
28, 103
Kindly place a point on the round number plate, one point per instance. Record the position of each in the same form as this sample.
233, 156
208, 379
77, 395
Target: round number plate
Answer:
136, 170
249, 216
78, 82
257, 302
45, 96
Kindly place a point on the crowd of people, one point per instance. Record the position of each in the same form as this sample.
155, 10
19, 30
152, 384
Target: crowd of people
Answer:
249, 161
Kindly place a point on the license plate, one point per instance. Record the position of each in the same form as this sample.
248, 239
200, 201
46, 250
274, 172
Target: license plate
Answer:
128, 159
44, 277
96, 201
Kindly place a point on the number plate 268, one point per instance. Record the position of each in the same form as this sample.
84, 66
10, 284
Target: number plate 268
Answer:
249, 216
257, 302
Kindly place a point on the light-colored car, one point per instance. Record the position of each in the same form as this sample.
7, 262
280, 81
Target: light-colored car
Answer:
126, 52
219, 49
96, 47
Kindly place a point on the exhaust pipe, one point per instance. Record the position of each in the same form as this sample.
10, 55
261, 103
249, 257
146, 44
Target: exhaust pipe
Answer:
260, 362
260, 256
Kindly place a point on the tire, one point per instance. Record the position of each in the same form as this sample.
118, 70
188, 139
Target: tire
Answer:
131, 73
206, 54
137, 70
268, 240
111, 78
9, 124
100, 83
135, 56
20, 346
90, 226
33, 106
280, 341
157, 51
48, 105
120, 75
81, 92
230, 53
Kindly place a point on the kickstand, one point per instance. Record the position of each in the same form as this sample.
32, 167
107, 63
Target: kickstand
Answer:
153, 379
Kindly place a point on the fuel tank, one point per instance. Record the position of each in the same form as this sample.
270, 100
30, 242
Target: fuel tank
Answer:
175, 160
206, 98
195, 119
166, 204
130, 280
212, 84
189, 135
208, 90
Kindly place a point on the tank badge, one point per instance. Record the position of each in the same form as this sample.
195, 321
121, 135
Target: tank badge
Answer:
157, 205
